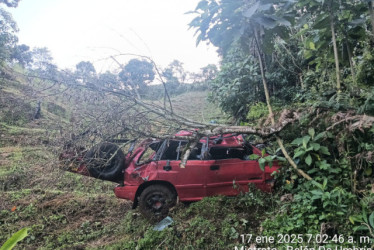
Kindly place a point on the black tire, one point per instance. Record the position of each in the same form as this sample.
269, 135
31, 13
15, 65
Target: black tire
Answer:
155, 202
105, 161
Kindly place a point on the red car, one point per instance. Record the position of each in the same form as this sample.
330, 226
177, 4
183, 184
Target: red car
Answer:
152, 178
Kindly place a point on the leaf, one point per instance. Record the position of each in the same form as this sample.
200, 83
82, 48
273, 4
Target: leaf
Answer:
322, 22
263, 152
249, 12
306, 139
254, 157
324, 150
299, 153
308, 160
297, 141
16, 237
351, 220
280, 158
371, 220
312, 46
324, 183
364, 216
317, 184
360, 228
269, 158
316, 146
267, 22
317, 192
319, 136
262, 162
281, 20
311, 131
202, 5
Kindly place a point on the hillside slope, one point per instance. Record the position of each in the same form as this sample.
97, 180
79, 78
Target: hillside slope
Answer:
65, 210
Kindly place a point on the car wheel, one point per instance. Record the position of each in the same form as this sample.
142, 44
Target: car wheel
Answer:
155, 202
105, 161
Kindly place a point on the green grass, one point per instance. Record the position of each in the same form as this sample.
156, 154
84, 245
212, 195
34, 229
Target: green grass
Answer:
195, 106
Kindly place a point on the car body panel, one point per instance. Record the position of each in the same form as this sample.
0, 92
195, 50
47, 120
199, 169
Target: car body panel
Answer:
219, 165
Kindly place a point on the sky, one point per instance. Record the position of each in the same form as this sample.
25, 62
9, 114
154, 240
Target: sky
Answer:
95, 30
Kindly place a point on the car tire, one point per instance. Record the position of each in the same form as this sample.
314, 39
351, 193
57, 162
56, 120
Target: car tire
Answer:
155, 202
105, 161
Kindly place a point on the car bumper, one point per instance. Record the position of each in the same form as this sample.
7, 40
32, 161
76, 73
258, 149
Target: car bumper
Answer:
126, 192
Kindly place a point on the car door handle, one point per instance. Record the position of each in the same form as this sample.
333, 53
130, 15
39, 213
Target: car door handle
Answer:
214, 167
167, 168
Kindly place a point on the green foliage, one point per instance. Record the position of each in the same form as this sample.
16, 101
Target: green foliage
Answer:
365, 223
266, 160
8, 38
16, 237
257, 111
365, 70
327, 199
85, 69
137, 73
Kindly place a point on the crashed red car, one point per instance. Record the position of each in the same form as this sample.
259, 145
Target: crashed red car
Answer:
152, 178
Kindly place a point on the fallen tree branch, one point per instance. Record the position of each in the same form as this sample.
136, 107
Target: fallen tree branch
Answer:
360, 121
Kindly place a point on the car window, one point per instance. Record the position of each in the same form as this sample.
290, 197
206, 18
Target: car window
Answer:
175, 149
220, 153
149, 153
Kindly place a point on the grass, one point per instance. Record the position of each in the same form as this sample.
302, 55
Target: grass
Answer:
195, 106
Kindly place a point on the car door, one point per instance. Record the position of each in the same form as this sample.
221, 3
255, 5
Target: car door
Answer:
190, 182
229, 174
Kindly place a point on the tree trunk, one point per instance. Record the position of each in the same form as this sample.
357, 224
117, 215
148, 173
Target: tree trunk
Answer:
336, 56
301, 81
279, 141
351, 63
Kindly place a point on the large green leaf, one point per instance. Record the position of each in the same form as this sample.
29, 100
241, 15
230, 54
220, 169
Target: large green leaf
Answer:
316, 146
299, 153
18, 236
252, 10
297, 141
306, 139
308, 160
262, 162
267, 22
254, 157
371, 220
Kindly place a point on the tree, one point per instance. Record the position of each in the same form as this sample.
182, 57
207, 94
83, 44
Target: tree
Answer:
85, 68
177, 71
137, 74
22, 55
10, 3
41, 58
109, 80
227, 22
8, 38
209, 72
